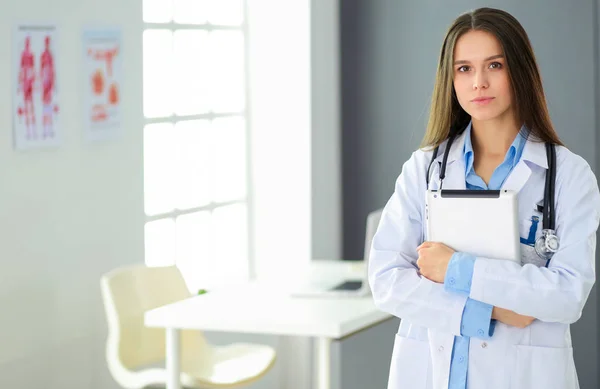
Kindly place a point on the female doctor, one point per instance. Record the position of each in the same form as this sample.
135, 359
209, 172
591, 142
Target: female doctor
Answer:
472, 322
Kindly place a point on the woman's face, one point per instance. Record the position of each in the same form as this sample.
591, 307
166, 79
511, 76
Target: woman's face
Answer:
481, 78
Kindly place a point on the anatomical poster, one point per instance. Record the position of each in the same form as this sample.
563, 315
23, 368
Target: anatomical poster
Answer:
102, 58
35, 87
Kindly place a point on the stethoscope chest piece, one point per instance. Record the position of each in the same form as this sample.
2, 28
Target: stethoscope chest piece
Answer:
547, 244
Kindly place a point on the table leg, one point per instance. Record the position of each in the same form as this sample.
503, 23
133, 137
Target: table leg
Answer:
324, 363
173, 358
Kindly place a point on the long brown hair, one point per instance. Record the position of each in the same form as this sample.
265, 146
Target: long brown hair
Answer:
447, 117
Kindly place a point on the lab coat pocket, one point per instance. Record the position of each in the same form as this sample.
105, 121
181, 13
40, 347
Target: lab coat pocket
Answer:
544, 367
410, 366
529, 233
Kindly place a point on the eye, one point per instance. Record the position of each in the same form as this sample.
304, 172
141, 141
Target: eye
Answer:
464, 68
495, 65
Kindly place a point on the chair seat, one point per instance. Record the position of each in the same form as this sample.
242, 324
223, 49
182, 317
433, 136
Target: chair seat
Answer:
227, 366
230, 365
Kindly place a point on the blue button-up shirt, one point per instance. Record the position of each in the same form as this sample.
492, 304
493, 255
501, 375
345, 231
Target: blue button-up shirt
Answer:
476, 318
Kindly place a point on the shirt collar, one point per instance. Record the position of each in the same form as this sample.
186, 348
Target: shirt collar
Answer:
513, 155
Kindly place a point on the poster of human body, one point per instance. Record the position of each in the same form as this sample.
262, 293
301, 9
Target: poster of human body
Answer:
35, 93
102, 72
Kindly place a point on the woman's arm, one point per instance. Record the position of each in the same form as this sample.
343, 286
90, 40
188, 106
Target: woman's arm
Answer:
397, 286
557, 293
460, 273
554, 294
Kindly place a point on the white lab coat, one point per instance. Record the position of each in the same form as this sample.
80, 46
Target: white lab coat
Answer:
538, 356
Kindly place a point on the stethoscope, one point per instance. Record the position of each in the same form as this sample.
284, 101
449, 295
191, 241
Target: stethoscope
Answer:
548, 243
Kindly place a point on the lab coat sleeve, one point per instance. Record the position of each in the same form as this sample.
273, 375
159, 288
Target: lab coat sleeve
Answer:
477, 320
395, 282
557, 293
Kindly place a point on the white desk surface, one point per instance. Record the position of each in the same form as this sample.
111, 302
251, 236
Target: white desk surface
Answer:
267, 309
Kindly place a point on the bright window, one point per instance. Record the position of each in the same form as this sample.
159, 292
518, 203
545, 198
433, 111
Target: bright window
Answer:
196, 183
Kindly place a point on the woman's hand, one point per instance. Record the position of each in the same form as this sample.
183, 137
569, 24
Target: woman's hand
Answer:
433, 260
511, 318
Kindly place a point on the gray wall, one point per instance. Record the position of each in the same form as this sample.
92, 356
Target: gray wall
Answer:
389, 51
326, 181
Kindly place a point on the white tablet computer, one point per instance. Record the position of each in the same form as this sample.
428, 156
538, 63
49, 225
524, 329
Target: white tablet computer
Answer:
479, 222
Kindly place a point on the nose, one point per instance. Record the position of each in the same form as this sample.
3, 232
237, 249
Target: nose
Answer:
480, 81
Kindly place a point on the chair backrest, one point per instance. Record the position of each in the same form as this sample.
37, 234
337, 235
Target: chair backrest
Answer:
129, 292
372, 223
371, 228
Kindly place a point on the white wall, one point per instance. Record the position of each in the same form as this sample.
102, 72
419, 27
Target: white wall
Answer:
66, 215
280, 131
296, 131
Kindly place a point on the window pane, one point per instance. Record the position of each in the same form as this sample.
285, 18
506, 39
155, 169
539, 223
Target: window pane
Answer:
230, 242
193, 249
227, 75
193, 169
158, 49
225, 12
229, 159
190, 11
160, 242
159, 157
157, 11
192, 72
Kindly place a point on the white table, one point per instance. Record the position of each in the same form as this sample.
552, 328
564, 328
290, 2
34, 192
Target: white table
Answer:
265, 309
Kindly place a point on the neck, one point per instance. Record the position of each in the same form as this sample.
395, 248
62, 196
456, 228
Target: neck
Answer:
492, 138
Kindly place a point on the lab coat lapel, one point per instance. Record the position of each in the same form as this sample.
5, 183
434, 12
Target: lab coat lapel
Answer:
518, 177
455, 175
533, 152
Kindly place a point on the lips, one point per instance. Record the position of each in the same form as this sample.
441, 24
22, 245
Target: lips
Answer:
482, 100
